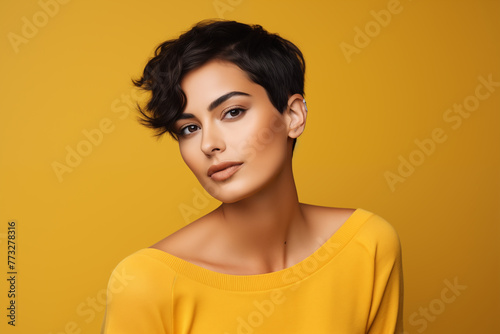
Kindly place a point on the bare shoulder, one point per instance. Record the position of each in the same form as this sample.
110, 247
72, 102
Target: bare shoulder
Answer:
325, 221
190, 241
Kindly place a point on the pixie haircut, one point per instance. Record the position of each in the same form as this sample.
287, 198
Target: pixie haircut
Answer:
268, 60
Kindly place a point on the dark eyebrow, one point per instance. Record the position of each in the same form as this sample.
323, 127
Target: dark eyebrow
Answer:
217, 102
224, 98
186, 116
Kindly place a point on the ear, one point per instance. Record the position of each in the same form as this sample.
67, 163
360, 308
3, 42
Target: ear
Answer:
296, 115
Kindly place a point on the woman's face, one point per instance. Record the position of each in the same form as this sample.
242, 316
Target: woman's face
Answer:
230, 135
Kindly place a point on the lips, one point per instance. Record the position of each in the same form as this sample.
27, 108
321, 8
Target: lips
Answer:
224, 170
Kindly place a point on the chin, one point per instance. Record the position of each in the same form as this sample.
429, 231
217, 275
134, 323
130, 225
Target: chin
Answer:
230, 200
226, 196
230, 192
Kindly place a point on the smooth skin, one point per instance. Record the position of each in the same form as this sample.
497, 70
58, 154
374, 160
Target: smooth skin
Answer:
261, 226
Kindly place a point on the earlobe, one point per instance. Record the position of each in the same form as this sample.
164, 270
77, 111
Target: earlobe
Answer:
297, 113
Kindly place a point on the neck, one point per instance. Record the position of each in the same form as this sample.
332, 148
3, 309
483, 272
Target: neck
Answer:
264, 229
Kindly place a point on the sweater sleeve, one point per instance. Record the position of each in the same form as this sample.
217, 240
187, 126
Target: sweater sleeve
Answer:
136, 300
386, 312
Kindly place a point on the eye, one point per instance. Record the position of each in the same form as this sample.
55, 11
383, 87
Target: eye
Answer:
188, 129
233, 113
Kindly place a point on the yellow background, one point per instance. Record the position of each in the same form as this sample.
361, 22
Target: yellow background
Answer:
366, 112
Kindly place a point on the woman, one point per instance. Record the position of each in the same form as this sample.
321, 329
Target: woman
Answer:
262, 262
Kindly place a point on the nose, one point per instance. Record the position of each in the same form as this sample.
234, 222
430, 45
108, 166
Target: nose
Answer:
212, 140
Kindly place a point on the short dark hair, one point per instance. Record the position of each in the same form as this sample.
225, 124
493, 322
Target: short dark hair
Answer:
272, 62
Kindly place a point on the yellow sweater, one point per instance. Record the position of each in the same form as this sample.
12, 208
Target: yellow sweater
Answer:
352, 284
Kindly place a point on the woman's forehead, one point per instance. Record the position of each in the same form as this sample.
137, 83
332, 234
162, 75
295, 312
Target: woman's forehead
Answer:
214, 72
214, 80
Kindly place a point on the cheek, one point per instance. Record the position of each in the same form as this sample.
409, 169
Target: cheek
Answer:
260, 136
187, 154
272, 138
